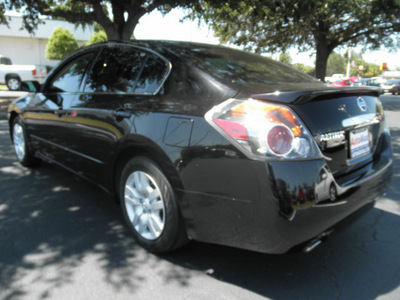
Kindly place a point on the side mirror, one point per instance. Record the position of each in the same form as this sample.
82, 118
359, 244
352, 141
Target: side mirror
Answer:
30, 86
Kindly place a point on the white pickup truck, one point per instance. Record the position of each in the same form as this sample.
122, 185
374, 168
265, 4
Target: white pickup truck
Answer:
12, 75
335, 77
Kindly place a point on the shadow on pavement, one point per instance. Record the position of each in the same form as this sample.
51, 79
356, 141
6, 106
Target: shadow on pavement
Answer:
52, 222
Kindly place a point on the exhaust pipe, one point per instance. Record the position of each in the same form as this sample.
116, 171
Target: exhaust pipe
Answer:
312, 245
316, 241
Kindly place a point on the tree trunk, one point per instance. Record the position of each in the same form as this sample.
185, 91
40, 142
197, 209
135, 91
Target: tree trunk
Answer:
323, 53
119, 32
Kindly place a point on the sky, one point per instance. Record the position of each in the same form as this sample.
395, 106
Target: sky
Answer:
169, 27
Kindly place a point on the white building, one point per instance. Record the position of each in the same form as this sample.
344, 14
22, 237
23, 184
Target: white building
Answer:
25, 48
391, 74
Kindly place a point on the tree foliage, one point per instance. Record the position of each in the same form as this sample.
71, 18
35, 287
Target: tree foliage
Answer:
61, 44
285, 58
369, 69
118, 18
30, 17
319, 25
306, 69
97, 37
336, 64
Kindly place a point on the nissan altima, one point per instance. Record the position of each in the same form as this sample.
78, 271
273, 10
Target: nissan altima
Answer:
208, 143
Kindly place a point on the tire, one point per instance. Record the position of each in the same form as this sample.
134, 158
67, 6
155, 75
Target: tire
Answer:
332, 193
13, 83
149, 206
21, 145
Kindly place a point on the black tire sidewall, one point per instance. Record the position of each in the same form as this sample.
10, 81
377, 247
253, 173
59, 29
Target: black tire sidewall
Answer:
167, 240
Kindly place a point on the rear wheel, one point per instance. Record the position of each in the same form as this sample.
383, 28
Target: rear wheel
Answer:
21, 145
149, 206
13, 83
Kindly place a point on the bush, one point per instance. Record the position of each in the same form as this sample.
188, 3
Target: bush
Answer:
97, 37
61, 44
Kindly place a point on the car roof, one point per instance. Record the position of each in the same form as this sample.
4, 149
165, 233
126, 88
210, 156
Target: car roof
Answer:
178, 49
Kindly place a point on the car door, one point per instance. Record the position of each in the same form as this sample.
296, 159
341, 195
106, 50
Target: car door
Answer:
47, 115
102, 115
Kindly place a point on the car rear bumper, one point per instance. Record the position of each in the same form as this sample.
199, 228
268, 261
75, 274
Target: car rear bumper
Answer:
281, 210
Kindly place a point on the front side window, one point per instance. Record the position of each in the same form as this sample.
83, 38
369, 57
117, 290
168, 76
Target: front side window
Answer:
70, 77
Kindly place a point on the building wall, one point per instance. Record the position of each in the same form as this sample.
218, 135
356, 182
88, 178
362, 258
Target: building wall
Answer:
25, 51
24, 48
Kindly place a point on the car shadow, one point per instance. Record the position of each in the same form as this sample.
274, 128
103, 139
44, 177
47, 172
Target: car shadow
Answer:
360, 262
51, 223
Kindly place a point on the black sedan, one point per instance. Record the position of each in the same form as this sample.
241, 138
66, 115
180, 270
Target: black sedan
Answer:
208, 143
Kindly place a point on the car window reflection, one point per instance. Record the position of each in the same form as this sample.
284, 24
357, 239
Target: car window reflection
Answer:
70, 78
116, 71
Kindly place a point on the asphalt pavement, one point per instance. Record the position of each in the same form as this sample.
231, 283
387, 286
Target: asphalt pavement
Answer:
62, 238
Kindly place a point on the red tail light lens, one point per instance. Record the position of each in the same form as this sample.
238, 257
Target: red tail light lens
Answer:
263, 129
280, 140
235, 130
34, 72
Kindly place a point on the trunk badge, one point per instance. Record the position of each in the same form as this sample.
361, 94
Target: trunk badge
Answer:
362, 104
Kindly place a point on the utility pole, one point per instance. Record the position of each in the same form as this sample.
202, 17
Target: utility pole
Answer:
348, 62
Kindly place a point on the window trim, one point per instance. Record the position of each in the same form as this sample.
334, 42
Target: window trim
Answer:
143, 49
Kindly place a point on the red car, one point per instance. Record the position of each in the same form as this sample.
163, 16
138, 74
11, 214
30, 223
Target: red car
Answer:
342, 82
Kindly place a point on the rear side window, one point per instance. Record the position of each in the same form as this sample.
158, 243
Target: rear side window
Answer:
152, 76
126, 70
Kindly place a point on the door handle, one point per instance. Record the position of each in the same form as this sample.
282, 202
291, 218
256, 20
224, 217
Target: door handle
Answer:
121, 114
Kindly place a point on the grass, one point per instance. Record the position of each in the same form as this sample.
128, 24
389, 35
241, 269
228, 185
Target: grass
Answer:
3, 87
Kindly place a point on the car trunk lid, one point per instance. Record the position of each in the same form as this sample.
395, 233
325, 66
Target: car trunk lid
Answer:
345, 123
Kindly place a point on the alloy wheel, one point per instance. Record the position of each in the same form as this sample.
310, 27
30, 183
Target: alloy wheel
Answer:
13, 84
19, 141
144, 205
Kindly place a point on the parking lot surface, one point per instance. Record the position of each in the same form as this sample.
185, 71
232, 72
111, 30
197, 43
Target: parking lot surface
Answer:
62, 238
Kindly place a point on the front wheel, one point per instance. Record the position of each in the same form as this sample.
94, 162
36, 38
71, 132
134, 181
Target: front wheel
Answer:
149, 206
21, 146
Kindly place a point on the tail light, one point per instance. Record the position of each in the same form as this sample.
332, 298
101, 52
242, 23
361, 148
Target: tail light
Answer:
263, 130
34, 72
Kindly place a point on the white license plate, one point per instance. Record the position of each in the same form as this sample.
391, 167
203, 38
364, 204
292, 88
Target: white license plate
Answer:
359, 142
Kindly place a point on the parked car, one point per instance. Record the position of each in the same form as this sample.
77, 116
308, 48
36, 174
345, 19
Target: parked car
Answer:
208, 143
366, 82
392, 86
334, 77
12, 75
380, 80
342, 82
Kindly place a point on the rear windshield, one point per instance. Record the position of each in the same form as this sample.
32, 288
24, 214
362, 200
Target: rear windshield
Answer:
232, 66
